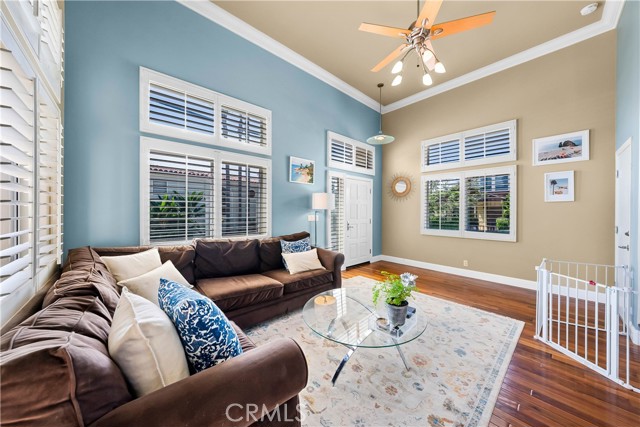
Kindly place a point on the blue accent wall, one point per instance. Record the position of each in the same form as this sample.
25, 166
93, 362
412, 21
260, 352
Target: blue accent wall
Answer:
628, 111
107, 42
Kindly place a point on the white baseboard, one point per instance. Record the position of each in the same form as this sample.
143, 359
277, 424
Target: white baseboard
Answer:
504, 280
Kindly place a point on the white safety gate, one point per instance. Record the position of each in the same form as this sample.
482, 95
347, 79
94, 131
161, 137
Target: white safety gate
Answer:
584, 311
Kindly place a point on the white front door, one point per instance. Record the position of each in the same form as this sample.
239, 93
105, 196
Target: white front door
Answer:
358, 221
623, 205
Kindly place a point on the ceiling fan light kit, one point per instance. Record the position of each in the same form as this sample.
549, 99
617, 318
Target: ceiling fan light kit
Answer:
380, 138
418, 39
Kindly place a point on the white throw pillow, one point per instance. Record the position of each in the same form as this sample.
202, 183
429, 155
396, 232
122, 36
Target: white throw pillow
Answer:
147, 284
144, 343
303, 261
127, 266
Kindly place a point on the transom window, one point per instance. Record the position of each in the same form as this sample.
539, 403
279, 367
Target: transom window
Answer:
175, 108
350, 155
489, 144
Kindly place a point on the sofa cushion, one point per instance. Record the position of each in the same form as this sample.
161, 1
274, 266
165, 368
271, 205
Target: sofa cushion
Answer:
226, 258
128, 266
147, 284
300, 281
145, 344
85, 315
59, 378
181, 256
271, 250
91, 282
83, 258
299, 262
230, 293
206, 334
302, 245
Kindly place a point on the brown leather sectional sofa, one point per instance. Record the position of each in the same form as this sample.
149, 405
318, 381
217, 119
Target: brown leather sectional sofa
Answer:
56, 369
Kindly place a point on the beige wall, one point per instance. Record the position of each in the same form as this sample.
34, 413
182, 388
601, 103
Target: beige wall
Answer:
569, 90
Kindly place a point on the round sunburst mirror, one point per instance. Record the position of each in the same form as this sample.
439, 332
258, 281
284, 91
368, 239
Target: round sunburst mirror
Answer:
400, 186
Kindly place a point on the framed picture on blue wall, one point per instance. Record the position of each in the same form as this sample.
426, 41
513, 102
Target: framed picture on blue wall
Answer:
301, 171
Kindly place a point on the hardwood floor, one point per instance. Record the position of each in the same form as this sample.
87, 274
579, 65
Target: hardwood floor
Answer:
542, 386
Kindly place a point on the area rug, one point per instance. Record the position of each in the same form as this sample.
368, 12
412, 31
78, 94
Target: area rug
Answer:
457, 368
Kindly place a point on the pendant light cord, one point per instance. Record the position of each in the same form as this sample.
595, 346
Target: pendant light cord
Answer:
380, 104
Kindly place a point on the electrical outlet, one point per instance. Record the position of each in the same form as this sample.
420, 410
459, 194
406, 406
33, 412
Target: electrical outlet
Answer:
465, 263
311, 218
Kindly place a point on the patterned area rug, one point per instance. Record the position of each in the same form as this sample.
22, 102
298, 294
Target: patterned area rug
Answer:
457, 367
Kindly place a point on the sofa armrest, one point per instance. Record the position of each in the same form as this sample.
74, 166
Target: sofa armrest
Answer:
332, 261
235, 393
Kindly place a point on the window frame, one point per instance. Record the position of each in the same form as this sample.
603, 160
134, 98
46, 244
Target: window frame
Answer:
148, 144
462, 232
511, 125
355, 144
148, 76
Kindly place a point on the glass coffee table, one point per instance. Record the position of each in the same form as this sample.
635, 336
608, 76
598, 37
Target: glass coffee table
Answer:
347, 316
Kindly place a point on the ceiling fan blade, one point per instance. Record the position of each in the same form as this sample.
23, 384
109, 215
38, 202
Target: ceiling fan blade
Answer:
429, 11
383, 30
393, 55
460, 25
431, 63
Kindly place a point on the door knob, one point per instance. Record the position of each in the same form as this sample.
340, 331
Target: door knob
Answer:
624, 247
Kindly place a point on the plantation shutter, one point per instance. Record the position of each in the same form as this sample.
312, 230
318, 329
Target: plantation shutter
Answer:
442, 204
244, 199
488, 203
49, 183
181, 197
337, 219
442, 152
51, 48
341, 152
17, 121
487, 144
242, 126
175, 108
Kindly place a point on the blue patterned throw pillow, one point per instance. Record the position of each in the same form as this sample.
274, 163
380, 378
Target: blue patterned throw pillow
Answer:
302, 245
206, 334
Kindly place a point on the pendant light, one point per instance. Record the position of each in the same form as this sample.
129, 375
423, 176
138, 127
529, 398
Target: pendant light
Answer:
380, 138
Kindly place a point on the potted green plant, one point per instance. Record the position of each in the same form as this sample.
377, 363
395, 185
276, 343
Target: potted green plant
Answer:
395, 290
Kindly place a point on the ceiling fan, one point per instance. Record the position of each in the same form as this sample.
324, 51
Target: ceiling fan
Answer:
418, 38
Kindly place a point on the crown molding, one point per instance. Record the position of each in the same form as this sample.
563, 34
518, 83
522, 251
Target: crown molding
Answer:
226, 20
609, 20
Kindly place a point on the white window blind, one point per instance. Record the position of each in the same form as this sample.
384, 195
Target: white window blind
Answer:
336, 217
350, 155
17, 121
479, 204
487, 201
192, 192
49, 183
441, 204
244, 199
181, 202
178, 109
241, 126
489, 144
51, 42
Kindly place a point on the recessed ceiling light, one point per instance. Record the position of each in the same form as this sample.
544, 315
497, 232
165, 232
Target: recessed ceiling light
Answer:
588, 9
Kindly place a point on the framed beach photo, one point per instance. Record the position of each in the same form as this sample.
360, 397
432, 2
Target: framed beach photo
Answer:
301, 171
558, 187
568, 147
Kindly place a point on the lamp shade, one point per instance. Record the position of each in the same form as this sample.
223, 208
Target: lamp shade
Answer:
322, 201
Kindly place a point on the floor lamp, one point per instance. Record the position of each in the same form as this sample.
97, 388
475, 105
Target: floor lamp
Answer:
320, 202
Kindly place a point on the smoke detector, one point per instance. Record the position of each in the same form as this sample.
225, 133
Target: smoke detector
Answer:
588, 9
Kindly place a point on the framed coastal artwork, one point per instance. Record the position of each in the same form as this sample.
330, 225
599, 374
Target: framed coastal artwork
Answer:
558, 187
301, 171
568, 147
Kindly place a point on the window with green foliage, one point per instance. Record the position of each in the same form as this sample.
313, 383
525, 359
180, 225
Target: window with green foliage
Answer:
473, 204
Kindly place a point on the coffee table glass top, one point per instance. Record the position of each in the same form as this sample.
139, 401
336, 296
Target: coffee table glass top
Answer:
348, 317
